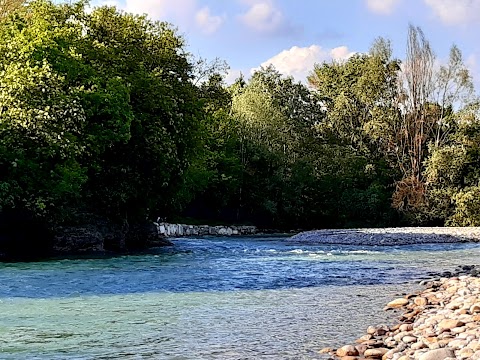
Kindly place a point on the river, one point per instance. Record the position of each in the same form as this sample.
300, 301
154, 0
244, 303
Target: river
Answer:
219, 298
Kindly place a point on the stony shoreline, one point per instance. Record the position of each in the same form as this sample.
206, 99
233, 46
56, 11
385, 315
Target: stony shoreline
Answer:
390, 236
182, 230
441, 322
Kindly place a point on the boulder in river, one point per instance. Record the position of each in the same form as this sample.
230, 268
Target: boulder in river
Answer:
397, 303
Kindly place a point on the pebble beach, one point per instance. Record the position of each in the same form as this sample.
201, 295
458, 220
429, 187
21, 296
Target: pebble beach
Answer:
439, 322
390, 236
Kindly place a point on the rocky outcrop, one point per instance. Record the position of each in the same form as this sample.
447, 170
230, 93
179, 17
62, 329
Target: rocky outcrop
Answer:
390, 236
87, 238
180, 230
92, 234
441, 322
100, 235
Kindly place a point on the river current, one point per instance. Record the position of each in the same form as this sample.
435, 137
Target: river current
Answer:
219, 298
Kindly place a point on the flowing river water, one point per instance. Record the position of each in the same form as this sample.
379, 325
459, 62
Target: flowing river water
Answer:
221, 298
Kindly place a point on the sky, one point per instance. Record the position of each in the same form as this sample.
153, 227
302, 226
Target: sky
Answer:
293, 35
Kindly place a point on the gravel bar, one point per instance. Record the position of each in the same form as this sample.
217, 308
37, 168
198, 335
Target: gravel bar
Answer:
390, 236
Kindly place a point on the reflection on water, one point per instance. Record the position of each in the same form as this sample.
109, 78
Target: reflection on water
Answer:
208, 299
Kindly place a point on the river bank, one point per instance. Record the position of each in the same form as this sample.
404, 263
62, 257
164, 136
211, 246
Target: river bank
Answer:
180, 230
441, 322
97, 236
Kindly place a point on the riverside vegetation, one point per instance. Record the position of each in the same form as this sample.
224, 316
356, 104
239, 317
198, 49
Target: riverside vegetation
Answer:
107, 120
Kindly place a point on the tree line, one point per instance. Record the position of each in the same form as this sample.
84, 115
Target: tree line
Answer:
105, 113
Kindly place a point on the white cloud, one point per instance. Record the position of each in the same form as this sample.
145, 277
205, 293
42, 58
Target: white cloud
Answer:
232, 75
207, 22
383, 7
472, 65
161, 9
109, 3
180, 12
299, 61
265, 18
456, 12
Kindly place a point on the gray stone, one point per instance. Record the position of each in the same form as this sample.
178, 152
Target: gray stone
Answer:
347, 350
438, 354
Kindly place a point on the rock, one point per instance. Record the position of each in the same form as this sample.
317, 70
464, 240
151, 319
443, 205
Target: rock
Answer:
375, 353
372, 343
79, 239
406, 327
327, 350
474, 345
439, 354
347, 350
390, 342
363, 338
397, 303
458, 330
418, 346
361, 348
420, 301
144, 235
465, 353
448, 324
440, 323
409, 339
457, 343
398, 337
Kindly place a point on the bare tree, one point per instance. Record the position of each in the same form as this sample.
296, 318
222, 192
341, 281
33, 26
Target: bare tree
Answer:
7, 6
428, 94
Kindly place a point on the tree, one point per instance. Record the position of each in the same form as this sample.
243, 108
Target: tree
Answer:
139, 177
452, 173
427, 98
394, 113
8, 6
358, 96
41, 119
98, 112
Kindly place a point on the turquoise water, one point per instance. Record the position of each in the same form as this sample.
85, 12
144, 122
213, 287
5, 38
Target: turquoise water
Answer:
235, 298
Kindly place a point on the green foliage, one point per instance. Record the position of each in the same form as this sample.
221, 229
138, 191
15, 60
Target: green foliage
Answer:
453, 174
105, 113
149, 59
9, 6
358, 95
40, 118
266, 162
97, 111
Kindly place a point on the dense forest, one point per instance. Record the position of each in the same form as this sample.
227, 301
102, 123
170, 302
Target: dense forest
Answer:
106, 114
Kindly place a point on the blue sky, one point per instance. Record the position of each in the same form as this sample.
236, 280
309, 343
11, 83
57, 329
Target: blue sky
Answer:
295, 34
